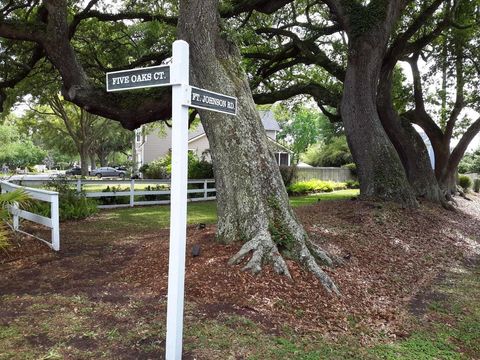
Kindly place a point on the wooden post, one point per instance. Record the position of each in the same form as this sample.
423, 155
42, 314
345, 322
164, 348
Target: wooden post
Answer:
132, 192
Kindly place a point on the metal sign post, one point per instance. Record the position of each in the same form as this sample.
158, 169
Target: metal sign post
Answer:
183, 96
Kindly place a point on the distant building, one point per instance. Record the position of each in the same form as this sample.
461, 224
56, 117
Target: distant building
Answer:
153, 146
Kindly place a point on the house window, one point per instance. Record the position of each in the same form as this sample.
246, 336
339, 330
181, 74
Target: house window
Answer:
282, 158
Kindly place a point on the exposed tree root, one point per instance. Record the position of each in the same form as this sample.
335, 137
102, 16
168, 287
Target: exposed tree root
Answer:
264, 249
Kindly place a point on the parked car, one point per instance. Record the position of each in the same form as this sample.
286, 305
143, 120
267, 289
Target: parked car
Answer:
76, 170
107, 172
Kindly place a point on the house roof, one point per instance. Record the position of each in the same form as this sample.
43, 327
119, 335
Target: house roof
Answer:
267, 117
268, 120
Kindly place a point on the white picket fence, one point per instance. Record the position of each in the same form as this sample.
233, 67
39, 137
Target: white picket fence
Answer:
53, 222
206, 192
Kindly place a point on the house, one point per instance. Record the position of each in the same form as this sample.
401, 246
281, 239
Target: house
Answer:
152, 146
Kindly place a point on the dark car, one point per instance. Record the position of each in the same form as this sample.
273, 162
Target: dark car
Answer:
74, 171
107, 171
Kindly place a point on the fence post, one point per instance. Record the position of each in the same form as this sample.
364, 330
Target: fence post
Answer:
132, 192
16, 219
79, 186
205, 188
55, 223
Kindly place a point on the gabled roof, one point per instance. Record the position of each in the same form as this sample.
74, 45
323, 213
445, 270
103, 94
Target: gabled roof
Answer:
268, 120
267, 117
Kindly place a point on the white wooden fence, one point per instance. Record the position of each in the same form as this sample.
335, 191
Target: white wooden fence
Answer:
53, 222
205, 191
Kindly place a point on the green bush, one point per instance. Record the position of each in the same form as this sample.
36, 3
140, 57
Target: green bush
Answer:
352, 184
335, 153
288, 174
315, 186
72, 205
465, 182
114, 200
162, 168
156, 169
476, 185
199, 169
352, 167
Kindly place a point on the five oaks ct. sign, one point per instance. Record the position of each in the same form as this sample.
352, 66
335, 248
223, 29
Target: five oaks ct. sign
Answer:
160, 76
183, 97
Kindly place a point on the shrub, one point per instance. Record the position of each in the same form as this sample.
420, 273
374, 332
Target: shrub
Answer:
113, 200
352, 184
352, 167
72, 205
199, 169
335, 153
155, 170
156, 197
162, 168
288, 174
315, 186
465, 182
476, 185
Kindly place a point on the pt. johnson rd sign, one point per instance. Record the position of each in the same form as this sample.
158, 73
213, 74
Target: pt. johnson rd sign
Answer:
138, 78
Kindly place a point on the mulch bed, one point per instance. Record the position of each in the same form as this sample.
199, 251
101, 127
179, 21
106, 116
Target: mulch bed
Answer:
391, 254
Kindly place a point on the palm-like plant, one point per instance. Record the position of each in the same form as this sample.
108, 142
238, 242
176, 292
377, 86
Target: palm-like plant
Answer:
19, 197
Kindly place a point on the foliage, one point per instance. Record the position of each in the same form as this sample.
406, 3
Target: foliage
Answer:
336, 153
352, 167
352, 184
315, 186
470, 163
18, 151
61, 127
288, 174
113, 200
72, 205
465, 182
156, 169
162, 168
22, 199
303, 126
476, 185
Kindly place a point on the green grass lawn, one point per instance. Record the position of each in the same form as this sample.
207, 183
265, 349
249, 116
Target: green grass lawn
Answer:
154, 217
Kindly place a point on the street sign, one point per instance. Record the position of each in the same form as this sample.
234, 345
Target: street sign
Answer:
138, 78
183, 96
209, 100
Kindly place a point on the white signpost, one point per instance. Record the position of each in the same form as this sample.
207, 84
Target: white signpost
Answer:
183, 96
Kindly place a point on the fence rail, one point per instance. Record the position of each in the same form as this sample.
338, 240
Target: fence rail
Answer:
127, 189
53, 222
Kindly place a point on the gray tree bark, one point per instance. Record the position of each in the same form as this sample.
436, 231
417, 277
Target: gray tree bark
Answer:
253, 204
380, 170
408, 144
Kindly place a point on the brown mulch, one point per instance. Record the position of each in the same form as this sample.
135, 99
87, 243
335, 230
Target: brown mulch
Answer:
391, 254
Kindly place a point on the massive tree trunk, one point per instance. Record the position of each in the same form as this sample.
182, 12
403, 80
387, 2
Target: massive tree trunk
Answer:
408, 143
253, 205
380, 170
